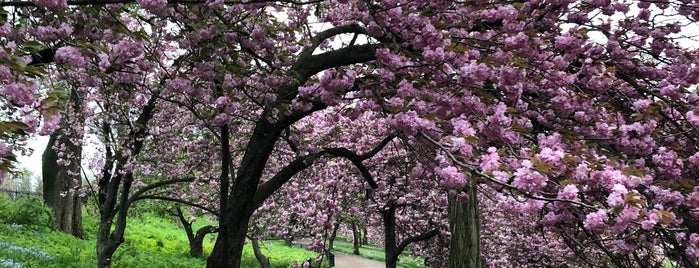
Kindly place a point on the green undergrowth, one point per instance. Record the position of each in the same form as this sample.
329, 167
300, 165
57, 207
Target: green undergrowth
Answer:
150, 241
280, 255
375, 253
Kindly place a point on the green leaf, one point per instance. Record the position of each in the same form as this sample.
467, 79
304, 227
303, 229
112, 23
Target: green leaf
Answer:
14, 127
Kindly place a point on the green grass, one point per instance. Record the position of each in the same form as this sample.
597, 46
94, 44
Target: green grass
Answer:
370, 252
150, 241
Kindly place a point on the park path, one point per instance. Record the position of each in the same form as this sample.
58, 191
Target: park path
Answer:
343, 260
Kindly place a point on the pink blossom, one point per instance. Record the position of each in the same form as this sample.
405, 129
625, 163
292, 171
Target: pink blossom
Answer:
71, 56
19, 94
126, 50
452, 178
51, 4
152, 5
650, 221
692, 118
528, 180
51, 122
570, 192
595, 220
490, 161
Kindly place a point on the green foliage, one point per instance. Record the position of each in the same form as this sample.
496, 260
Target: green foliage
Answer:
29, 210
151, 241
279, 254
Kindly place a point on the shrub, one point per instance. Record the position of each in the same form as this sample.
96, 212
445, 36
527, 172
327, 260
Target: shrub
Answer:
26, 210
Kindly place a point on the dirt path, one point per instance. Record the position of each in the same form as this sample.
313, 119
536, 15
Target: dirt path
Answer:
343, 260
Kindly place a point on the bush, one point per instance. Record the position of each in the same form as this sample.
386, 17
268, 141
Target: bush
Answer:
26, 210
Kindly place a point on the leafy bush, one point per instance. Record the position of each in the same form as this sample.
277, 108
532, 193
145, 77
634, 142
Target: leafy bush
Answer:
29, 210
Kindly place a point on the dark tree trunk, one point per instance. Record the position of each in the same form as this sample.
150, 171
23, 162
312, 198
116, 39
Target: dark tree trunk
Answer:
237, 206
264, 261
355, 237
390, 250
114, 188
196, 241
61, 183
106, 245
333, 235
464, 224
245, 196
196, 246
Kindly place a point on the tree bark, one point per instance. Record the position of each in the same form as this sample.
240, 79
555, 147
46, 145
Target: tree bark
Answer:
264, 261
355, 237
196, 241
62, 182
238, 205
392, 249
389, 224
464, 224
333, 235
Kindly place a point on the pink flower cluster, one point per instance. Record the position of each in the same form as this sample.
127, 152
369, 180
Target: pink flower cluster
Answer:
51, 4
452, 178
71, 56
152, 5
595, 220
19, 94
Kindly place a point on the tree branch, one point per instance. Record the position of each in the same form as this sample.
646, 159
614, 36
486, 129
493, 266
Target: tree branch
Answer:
357, 159
22, 3
149, 187
417, 238
285, 174
308, 64
170, 199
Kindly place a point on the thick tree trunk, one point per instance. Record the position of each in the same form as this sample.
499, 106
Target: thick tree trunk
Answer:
106, 244
228, 249
237, 207
264, 261
390, 250
464, 224
62, 182
355, 238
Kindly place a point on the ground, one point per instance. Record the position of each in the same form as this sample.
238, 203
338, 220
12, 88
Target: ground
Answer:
343, 260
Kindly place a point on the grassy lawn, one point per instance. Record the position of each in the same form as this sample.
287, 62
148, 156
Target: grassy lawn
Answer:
150, 241
375, 253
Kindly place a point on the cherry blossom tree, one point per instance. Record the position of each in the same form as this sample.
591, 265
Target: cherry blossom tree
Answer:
584, 110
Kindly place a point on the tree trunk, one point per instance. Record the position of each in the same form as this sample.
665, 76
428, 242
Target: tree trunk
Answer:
390, 250
228, 249
333, 235
464, 224
196, 241
237, 207
196, 247
264, 261
106, 245
365, 236
355, 237
62, 182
